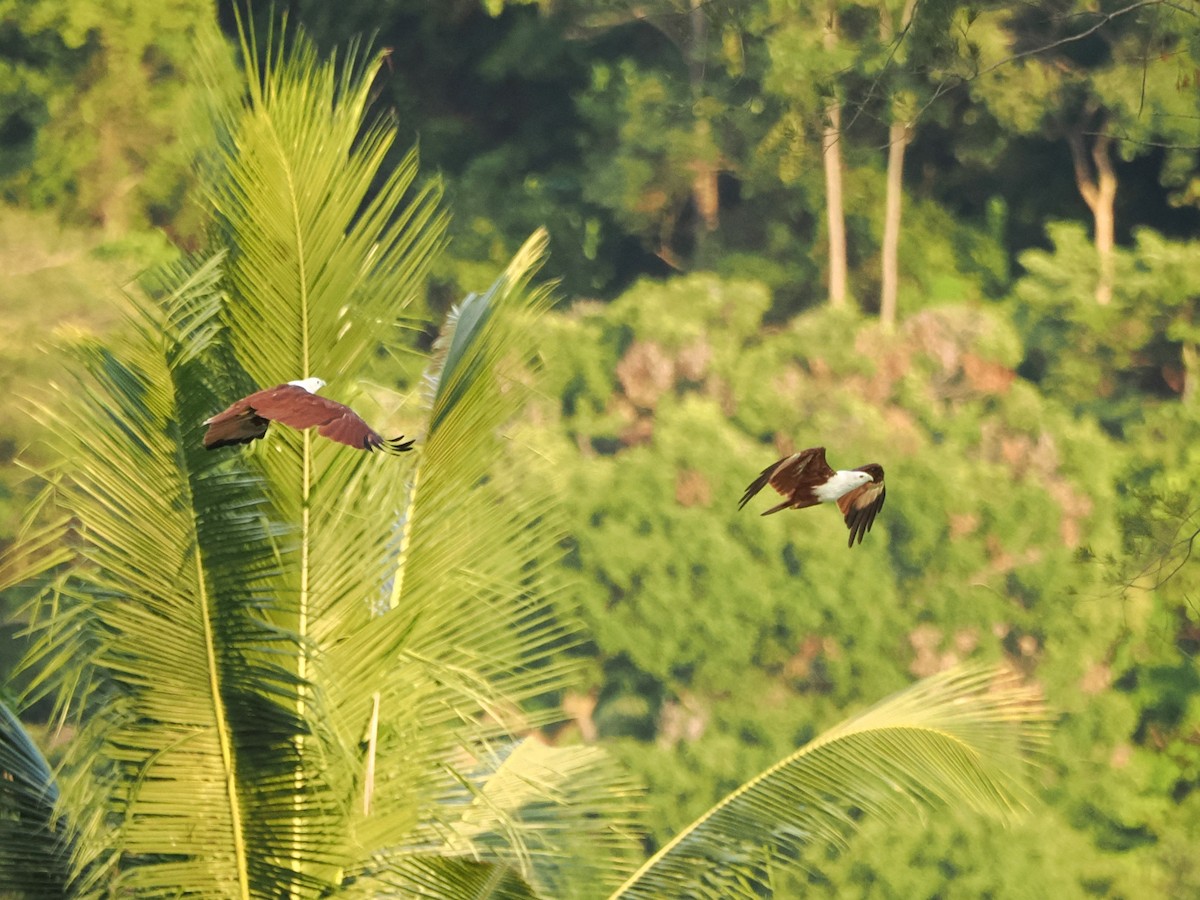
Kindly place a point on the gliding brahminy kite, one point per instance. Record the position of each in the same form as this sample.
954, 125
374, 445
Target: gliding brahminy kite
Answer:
297, 405
805, 479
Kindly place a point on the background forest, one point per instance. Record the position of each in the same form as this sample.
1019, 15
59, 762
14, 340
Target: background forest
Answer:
962, 240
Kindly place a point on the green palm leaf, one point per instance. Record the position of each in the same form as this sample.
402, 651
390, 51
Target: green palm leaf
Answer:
162, 626
559, 815
467, 633
327, 252
328, 249
438, 877
416, 592
953, 739
35, 846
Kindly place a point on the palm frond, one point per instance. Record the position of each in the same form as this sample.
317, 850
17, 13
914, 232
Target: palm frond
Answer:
423, 621
559, 815
35, 841
468, 633
38, 546
327, 249
440, 877
327, 252
958, 738
174, 547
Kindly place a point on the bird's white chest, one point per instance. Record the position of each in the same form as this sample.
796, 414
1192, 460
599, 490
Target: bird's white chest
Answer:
842, 483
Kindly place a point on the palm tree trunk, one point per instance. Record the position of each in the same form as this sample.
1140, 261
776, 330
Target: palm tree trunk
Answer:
832, 156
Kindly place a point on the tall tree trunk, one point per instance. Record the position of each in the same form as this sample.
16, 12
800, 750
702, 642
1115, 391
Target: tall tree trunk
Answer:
832, 155
1190, 356
1097, 185
704, 179
899, 136
704, 183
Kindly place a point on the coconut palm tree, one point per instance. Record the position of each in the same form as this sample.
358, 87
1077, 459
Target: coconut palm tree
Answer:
294, 669
299, 670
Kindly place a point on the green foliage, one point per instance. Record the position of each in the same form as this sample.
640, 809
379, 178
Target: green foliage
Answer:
59, 282
641, 172
723, 640
1047, 519
99, 108
60, 268
1135, 346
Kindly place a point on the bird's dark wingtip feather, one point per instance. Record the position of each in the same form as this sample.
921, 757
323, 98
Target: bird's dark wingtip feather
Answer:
860, 521
757, 485
399, 445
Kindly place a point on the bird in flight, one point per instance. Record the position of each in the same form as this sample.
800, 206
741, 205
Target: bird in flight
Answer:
297, 405
805, 479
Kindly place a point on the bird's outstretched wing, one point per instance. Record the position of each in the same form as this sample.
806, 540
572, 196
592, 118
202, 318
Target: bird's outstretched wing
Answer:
295, 407
236, 425
347, 427
862, 505
794, 477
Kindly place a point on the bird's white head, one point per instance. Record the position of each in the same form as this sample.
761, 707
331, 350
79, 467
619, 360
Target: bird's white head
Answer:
312, 385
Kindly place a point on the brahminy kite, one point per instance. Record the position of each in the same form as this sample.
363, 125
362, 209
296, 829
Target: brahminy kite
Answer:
805, 479
297, 405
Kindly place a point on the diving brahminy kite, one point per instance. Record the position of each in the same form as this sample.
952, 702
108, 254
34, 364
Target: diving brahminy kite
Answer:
297, 405
805, 479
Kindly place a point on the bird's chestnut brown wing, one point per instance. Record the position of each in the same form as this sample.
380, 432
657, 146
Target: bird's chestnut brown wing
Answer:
236, 425
789, 475
804, 469
860, 507
291, 405
348, 428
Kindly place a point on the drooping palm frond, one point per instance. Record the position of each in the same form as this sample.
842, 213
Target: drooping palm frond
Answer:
35, 842
38, 546
955, 738
544, 821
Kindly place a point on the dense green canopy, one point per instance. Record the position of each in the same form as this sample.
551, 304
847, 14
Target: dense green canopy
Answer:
1034, 402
